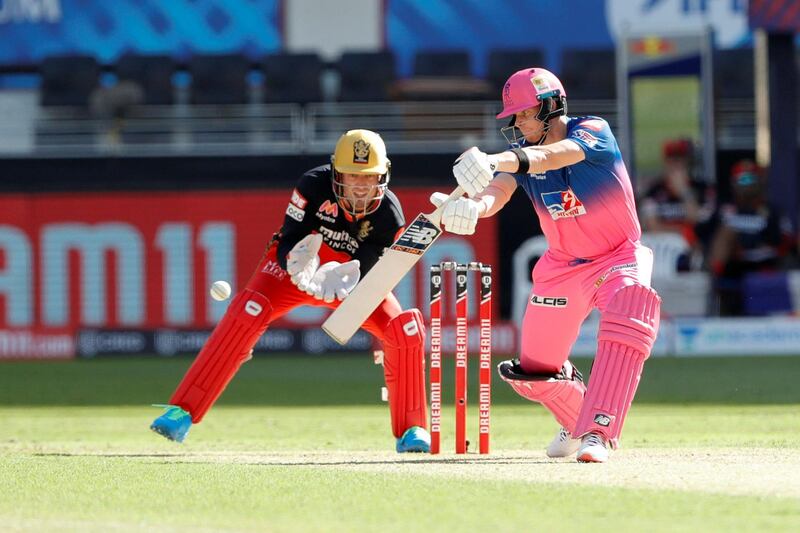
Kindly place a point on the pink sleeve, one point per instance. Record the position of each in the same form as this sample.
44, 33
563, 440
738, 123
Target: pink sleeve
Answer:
497, 193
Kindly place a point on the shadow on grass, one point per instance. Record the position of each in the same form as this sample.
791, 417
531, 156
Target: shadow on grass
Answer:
279, 458
337, 380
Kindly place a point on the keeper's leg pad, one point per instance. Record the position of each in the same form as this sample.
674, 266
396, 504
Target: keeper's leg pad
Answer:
628, 329
561, 393
224, 352
404, 371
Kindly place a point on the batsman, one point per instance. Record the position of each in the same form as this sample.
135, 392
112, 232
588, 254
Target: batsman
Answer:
573, 172
339, 219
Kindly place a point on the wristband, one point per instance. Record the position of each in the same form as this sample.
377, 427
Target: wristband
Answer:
524, 162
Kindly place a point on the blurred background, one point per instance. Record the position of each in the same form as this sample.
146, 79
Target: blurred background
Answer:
149, 148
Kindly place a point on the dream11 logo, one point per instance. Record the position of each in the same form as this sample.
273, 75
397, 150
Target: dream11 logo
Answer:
174, 243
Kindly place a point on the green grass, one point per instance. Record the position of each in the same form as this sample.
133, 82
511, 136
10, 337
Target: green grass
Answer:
302, 444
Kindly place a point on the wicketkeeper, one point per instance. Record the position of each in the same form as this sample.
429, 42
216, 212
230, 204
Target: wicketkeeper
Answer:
339, 219
573, 172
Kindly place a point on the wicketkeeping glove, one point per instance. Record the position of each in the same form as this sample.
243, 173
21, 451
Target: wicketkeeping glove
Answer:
473, 170
334, 280
302, 261
459, 216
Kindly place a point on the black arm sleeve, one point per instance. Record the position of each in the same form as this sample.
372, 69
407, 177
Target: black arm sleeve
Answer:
298, 221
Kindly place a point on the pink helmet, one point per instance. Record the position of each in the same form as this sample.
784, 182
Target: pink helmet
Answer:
529, 87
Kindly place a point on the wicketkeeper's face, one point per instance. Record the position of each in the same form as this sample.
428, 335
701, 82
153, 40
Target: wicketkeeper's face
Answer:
359, 190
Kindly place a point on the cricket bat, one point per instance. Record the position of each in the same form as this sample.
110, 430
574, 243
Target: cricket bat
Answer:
384, 276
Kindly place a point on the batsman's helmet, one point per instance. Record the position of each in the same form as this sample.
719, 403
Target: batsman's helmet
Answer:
360, 152
532, 87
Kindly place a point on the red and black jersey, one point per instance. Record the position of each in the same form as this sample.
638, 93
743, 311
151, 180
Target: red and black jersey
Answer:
313, 209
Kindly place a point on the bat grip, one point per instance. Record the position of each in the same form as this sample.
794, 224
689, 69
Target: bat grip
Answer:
436, 216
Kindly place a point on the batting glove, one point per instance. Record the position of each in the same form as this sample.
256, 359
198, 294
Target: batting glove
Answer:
334, 280
302, 261
474, 170
460, 216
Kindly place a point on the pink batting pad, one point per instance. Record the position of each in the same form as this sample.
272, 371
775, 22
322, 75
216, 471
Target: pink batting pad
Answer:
628, 329
404, 371
224, 352
560, 395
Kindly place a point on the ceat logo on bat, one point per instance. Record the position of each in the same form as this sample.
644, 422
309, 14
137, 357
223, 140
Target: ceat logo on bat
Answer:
563, 204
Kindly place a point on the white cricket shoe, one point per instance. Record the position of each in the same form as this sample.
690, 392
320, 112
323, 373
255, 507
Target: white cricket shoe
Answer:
594, 449
563, 445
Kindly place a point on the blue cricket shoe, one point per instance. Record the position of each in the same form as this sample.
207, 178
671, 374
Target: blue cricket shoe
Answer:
414, 440
174, 424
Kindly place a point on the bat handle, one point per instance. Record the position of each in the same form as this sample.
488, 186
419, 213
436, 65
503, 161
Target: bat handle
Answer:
436, 216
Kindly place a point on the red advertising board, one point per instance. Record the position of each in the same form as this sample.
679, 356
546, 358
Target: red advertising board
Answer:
146, 260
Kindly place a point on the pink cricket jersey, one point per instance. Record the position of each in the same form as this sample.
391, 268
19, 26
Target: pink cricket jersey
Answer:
586, 210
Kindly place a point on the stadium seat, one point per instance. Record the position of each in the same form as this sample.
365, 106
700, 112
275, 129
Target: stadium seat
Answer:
365, 76
504, 62
153, 73
219, 79
766, 293
442, 63
734, 73
68, 80
667, 251
292, 78
589, 74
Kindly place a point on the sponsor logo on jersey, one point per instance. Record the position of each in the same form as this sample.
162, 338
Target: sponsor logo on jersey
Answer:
329, 208
549, 301
539, 176
563, 204
273, 269
417, 237
590, 140
364, 230
361, 152
602, 420
295, 212
339, 240
626, 266
298, 200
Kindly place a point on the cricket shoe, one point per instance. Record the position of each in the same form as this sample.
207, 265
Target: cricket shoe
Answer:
415, 440
174, 424
594, 449
563, 445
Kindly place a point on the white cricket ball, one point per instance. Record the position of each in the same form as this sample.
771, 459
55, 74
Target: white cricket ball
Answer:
220, 290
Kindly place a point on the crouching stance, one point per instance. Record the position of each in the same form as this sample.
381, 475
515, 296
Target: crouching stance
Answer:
339, 219
573, 172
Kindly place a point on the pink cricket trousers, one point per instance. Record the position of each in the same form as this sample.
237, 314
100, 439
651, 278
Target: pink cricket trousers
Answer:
565, 292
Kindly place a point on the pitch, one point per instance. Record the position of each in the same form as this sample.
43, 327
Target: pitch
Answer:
302, 443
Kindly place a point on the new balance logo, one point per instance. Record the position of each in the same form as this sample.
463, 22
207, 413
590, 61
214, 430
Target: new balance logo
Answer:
602, 420
411, 328
417, 237
253, 308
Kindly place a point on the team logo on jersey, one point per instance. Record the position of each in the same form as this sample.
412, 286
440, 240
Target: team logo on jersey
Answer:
364, 230
563, 204
590, 140
361, 152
